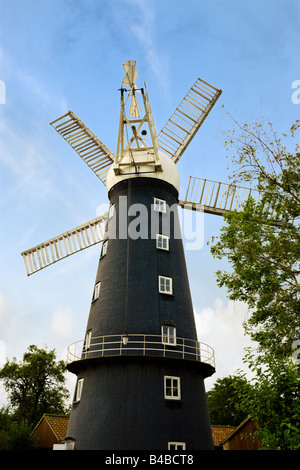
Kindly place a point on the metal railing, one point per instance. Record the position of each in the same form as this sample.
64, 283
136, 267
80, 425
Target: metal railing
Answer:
140, 345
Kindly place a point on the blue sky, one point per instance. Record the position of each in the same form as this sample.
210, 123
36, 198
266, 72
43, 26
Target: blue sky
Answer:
68, 54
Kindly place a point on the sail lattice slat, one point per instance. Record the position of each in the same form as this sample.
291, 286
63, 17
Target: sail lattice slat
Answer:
182, 126
64, 245
92, 151
215, 197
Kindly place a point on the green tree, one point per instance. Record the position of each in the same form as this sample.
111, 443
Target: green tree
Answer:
226, 400
262, 244
273, 402
14, 433
34, 386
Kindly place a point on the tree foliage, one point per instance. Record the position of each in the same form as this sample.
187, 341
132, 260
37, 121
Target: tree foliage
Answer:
225, 400
262, 244
34, 386
273, 401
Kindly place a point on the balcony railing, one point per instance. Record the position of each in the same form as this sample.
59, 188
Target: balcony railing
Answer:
140, 345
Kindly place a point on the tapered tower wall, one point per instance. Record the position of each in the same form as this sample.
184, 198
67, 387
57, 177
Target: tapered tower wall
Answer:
129, 300
124, 403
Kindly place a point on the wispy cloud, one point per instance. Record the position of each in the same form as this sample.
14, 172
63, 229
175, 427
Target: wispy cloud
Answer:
221, 326
24, 157
143, 25
63, 323
23, 152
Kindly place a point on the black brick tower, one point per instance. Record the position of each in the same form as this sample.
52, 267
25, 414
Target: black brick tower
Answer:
141, 373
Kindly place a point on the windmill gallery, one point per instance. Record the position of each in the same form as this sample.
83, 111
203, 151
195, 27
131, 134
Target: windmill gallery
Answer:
140, 368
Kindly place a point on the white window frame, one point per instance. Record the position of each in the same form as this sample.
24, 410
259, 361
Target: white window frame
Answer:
165, 285
169, 390
168, 334
176, 445
104, 248
87, 341
160, 205
78, 391
162, 242
96, 291
111, 211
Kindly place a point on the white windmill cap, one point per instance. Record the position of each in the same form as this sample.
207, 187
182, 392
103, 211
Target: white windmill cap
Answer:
168, 173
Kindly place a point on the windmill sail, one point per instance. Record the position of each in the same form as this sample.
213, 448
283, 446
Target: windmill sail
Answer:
95, 154
214, 197
66, 244
182, 126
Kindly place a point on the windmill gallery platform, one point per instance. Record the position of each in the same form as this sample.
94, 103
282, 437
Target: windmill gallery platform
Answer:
140, 368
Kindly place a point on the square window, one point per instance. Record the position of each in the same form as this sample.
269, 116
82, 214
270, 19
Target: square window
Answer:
162, 242
160, 205
78, 391
96, 291
168, 334
165, 285
172, 388
176, 446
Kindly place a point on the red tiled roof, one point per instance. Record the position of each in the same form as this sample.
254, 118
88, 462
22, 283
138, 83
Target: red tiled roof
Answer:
219, 433
58, 424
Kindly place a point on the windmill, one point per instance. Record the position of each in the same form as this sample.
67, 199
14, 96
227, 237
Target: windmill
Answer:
140, 368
